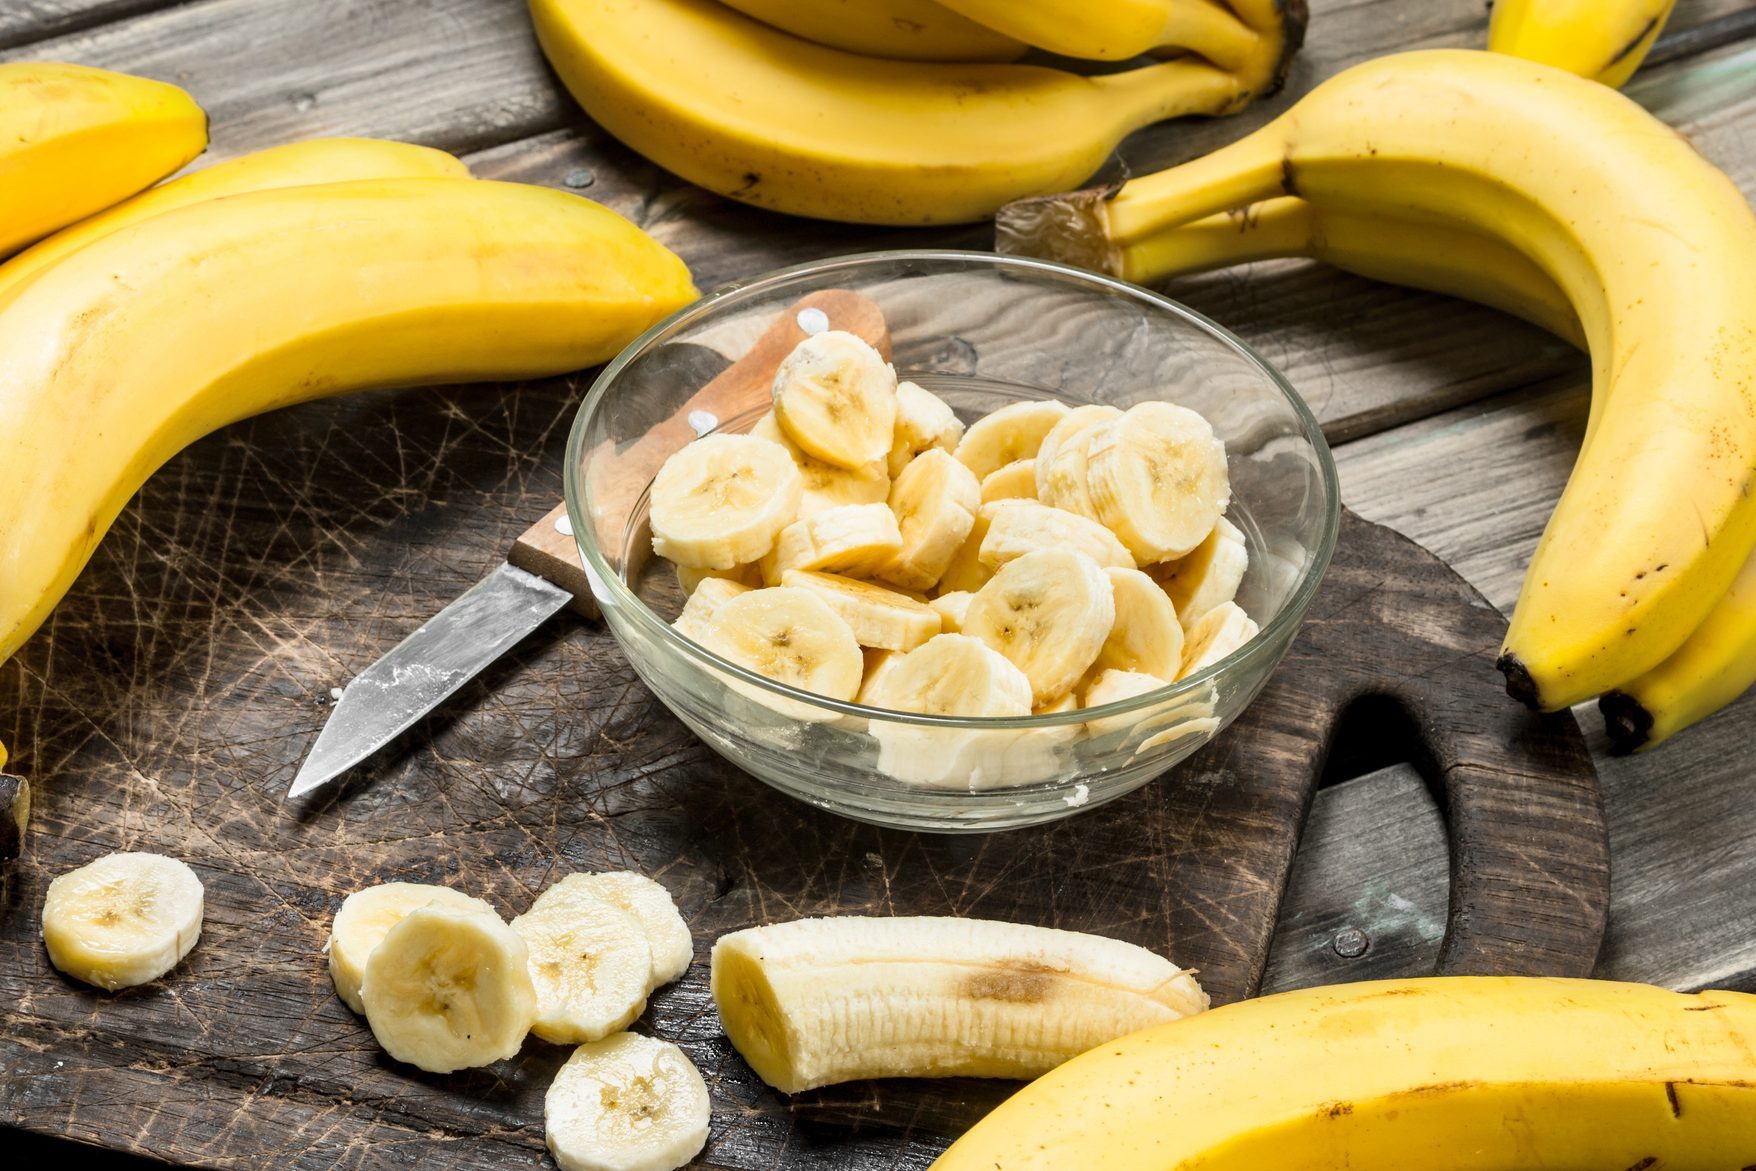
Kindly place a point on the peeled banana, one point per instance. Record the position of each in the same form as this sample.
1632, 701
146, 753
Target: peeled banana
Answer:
272, 297
74, 140
1648, 242
122, 920
754, 114
817, 1001
1605, 40
1471, 1073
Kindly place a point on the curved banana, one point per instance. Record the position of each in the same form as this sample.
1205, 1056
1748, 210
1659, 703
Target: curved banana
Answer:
1470, 1073
1605, 40
904, 30
274, 297
297, 164
1649, 241
754, 114
74, 140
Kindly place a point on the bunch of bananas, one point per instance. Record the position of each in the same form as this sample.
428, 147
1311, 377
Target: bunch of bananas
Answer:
1554, 197
297, 272
902, 111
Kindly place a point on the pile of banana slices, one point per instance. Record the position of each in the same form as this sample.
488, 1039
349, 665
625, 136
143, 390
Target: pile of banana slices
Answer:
860, 544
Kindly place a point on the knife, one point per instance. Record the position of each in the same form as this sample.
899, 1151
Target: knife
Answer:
542, 574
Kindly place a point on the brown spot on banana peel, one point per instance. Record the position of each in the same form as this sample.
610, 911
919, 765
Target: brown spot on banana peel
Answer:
1671, 1097
1023, 985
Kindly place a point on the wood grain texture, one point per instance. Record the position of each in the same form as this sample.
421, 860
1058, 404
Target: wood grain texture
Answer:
23, 21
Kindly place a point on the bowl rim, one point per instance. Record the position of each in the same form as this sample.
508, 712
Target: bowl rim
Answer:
611, 592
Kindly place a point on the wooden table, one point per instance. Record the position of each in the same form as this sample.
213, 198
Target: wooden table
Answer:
1453, 424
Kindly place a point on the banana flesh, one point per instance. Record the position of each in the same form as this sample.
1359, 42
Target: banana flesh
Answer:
667, 935
409, 281
1049, 612
626, 1103
1475, 1073
366, 917
754, 114
881, 619
122, 920
75, 140
818, 1001
935, 501
923, 421
590, 963
721, 501
1605, 40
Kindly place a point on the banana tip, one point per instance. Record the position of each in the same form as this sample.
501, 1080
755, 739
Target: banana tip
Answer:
1519, 684
1626, 720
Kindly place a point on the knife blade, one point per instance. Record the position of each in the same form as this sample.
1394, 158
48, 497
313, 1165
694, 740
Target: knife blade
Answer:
543, 574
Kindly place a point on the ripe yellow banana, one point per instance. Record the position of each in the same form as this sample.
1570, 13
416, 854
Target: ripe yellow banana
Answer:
297, 164
273, 297
1466, 1073
74, 140
1649, 241
1605, 40
754, 114
905, 30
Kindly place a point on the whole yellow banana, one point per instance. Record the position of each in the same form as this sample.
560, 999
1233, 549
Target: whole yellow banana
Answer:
297, 164
1466, 1073
906, 30
1605, 40
74, 140
1650, 243
239, 305
754, 114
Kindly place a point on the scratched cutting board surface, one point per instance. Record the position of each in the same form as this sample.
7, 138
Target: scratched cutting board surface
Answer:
170, 699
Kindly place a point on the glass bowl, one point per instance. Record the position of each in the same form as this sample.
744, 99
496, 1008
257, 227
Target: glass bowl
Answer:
979, 330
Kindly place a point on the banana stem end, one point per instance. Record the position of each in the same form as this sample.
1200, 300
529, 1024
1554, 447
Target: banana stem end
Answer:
1072, 228
1627, 722
1519, 683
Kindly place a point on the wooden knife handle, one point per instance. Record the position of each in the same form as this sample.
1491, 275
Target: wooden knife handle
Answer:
548, 549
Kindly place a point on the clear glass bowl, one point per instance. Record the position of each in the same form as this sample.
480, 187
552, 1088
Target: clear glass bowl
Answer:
980, 330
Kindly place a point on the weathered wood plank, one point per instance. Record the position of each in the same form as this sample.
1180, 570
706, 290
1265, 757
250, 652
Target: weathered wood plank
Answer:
23, 21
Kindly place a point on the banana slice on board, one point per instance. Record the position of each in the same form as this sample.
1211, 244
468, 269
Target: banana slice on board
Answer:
1146, 636
123, 919
709, 596
952, 607
935, 501
1007, 435
1157, 477
825, 485
1016, 481
673, 947
1069, 482
818, 1001
366, 917
1048, 612
626, 1103
878, 617
924, 421
1017, 527
853, 539
790, 636
835, 396
1221, 631
1113, 686
590, 962
1207, 576
449, 988
721, 501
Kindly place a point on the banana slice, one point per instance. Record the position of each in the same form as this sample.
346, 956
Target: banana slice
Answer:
1221, 631
966, 572
709, 596
1208, 576
1015, 481
825, 485
1073, 424
688, 577
923, 422
878, 617
1055, 707
721, 501
590, 962
1146, 636
366, 917
878, 664
853, 539
954, 675
790, 636
1049, 612
818, 1001
952, 607
449, 988
123, 919
1017, 527
1065, 486
673, 947
626, 1103
935, 501
1157, 477
1008, 435
836, 397
1113, 687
